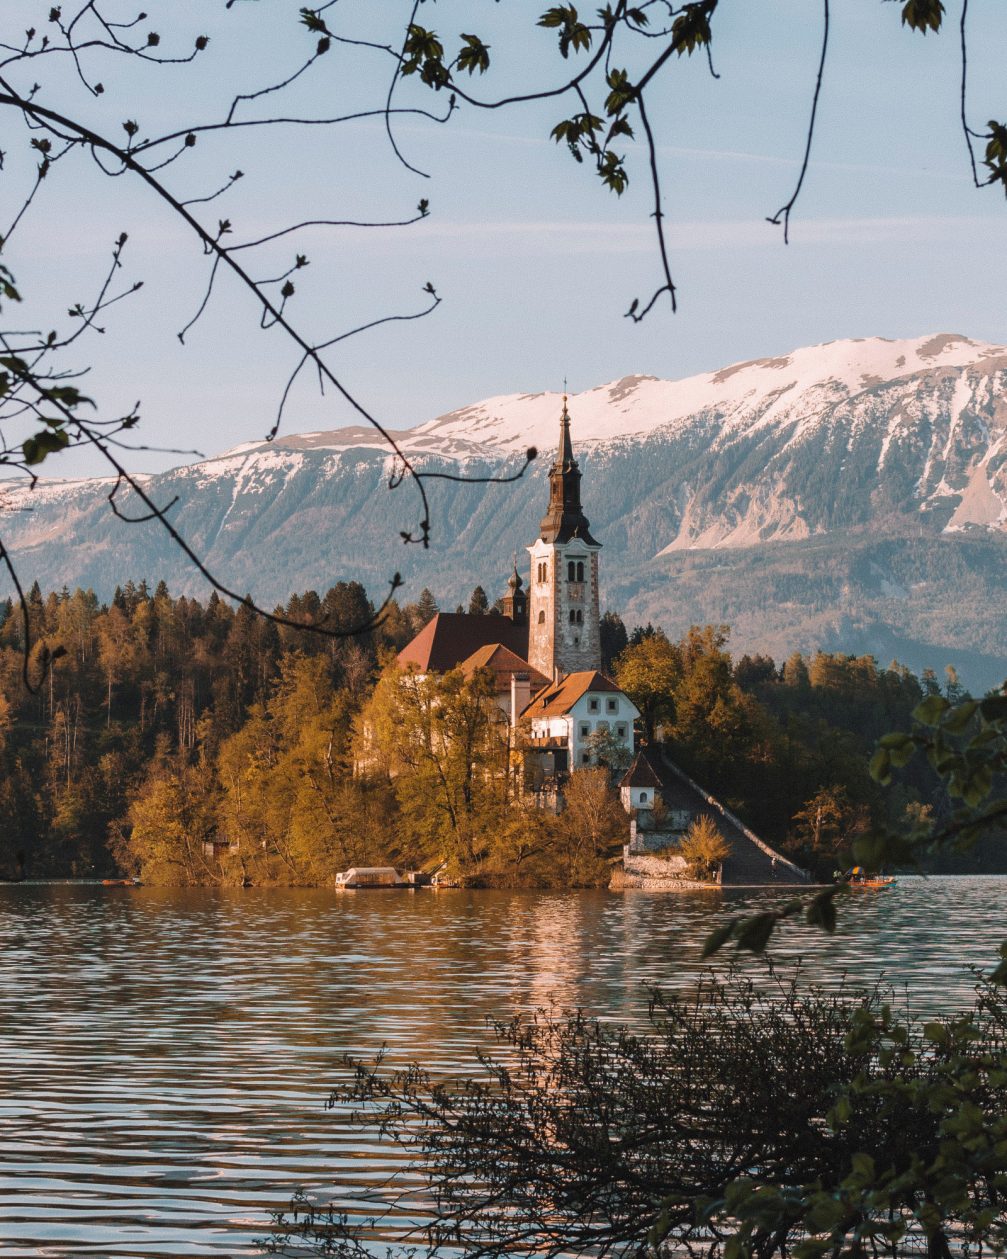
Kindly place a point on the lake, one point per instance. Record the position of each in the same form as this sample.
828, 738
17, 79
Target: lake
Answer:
167, 1054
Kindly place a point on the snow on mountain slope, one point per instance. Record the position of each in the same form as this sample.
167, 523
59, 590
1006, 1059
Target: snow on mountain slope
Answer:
848, 435
893, 451
765, 390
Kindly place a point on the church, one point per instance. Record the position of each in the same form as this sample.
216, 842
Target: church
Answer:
544, 648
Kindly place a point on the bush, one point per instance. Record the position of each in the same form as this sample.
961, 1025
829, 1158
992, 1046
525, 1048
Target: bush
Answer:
704, 847
792, 1121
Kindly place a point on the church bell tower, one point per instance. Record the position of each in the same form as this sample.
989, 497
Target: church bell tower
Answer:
563, 620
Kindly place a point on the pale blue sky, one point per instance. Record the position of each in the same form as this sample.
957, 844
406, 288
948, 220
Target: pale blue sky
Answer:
535, 261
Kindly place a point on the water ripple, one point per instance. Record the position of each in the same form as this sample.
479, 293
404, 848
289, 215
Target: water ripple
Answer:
167, 1054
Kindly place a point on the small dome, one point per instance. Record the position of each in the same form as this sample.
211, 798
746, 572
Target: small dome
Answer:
514, 582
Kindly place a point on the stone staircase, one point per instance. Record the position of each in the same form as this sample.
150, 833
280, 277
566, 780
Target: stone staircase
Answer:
752, 862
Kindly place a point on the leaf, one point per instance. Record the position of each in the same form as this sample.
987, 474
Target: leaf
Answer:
923, 15
880, 766
47, 442
753, 933
691, 29
958, 718
993, 708
716, 940
931, 710
821, 911
313, 22
474, 56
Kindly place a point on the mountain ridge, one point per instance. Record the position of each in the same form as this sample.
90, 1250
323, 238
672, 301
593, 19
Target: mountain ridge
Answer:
850, 444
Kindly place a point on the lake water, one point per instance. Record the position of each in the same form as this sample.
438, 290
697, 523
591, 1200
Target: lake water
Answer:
166, 1055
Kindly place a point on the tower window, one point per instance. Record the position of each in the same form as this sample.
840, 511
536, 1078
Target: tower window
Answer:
543, 570
571, 571
580, 570
643, 797
541, 618
576, 616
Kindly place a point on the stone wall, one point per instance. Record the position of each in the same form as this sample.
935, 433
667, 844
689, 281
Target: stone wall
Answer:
656, 874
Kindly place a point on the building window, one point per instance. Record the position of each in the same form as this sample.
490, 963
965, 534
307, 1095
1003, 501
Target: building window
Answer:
543, 570
643, 797
585, 758
573, 617
571, 571
541, 618
592, 706
620, 730
611, 705
585, 729
580, 616
580, 570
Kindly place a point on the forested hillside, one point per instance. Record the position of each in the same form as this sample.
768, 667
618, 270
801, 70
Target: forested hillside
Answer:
850, 497
190, 742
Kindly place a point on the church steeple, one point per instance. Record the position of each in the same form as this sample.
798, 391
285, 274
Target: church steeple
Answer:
565, 517
564, 634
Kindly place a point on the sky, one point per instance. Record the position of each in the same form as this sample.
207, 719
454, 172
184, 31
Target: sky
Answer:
535, 261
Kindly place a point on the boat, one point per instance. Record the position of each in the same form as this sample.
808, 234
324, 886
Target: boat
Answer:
370, 877
121, 883
858, 878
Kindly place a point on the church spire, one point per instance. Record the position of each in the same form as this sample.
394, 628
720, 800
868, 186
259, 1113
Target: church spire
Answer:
565, 517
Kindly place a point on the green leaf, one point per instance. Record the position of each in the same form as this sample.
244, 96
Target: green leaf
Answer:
474, 56
47, 442
931, 710
753, 933
923, 15
993, 708
716, 940
691, 29
880, 766
958, 718
821, 911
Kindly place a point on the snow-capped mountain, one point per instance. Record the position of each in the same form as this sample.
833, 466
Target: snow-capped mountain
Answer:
834, 450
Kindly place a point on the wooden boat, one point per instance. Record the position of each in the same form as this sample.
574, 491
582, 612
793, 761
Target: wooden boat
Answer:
121, 883
857, 877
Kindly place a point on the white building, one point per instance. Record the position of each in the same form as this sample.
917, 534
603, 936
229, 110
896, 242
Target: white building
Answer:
563, 717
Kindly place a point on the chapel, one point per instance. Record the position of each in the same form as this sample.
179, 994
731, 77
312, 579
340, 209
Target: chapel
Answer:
544, 646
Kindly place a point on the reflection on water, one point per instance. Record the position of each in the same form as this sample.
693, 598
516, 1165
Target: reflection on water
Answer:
166, 1055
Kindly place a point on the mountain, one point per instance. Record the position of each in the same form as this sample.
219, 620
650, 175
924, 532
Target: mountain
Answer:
851, 496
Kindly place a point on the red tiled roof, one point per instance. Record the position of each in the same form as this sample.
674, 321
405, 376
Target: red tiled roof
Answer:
504, 663
641, 773
451, 637
557, 700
